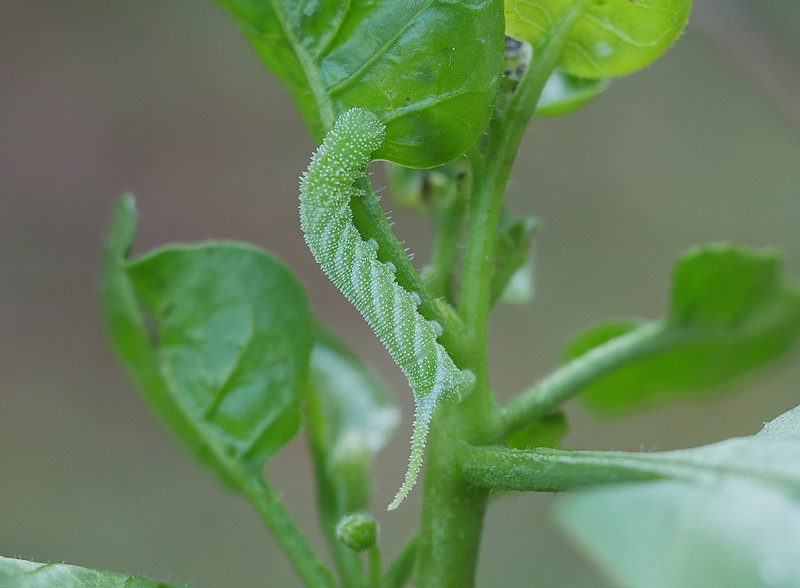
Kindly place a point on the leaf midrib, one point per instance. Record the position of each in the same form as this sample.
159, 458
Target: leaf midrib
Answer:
326, 112
339, 86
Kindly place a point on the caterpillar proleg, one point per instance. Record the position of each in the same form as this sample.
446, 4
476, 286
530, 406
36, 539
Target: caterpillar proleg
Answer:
370, 285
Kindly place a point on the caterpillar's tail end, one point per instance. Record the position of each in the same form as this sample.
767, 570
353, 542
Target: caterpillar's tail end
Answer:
422, 422
405, 489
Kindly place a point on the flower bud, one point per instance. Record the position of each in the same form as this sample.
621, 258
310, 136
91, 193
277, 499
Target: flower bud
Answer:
358, 531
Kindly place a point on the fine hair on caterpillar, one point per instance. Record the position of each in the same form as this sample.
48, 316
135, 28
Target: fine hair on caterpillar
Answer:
351, 263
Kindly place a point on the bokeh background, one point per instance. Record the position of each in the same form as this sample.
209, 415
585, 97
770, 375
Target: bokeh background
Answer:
164, 98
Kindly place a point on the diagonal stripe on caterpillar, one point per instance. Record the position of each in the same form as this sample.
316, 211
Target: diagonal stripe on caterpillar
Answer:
369, 284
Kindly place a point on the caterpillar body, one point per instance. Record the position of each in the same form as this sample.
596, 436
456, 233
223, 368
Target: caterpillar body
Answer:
369, 284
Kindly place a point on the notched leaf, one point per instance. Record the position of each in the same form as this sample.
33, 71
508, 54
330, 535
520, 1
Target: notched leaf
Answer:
224, 360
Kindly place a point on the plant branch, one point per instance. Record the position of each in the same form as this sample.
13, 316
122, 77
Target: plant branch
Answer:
305, 561
567, 381
552, 470
454, 509
492, 173
374, 557
400, 569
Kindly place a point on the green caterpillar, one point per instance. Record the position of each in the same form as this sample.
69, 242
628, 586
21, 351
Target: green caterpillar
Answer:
352, 265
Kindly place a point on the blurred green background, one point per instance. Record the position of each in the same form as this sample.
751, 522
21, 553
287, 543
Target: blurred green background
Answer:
164, 98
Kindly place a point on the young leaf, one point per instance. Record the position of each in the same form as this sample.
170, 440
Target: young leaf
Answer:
17, 573
730, 312
564, 93
428, 69
514, 258
545, 432
427, 189
611, 38
731, 520
217, 336
350, 420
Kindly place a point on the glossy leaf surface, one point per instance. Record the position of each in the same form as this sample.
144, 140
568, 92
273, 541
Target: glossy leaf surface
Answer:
730, 519
610, 37
16, 573
429, 69
217, 336
731, 312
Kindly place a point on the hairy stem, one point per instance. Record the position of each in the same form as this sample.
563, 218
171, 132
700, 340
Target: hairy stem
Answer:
294, 544
374, 557
551, 470
567, 381
453, 508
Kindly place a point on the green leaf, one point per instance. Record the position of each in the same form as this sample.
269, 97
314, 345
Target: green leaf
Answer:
545, 432
514, 259
563, 93
351, 418
611, 38
17, 573
730, 519
428, 189
428, 69
730, 313
217, 336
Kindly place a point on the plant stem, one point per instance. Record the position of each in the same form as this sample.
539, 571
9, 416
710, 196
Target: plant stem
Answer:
401, 567
333, 500
491, 175
294, 544
374, 556
452, 519
561, 385
555, 470
453, 508
551, 470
